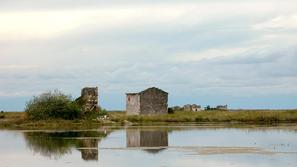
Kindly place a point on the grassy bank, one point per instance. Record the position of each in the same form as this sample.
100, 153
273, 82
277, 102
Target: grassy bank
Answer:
242, 116
18, 120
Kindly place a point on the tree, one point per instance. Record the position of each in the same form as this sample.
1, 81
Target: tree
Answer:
52, 105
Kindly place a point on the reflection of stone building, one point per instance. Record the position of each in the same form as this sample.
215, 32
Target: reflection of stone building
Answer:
146, 138
149, 101
89, 150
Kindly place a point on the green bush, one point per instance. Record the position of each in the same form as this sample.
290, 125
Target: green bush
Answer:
95, 115
170, 111
52, 105
102, 112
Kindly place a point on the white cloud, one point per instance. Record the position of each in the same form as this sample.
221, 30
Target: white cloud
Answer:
280, 22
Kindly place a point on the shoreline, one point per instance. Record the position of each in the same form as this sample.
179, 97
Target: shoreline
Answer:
18, 120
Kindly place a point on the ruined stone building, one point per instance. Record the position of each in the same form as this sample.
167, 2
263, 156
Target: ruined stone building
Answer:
89, 99
192, 107
149, 101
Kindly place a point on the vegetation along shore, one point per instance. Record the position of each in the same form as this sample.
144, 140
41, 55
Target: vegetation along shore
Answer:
20, 120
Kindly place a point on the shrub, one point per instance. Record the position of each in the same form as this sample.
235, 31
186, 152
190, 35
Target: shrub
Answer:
103, 112
207, 107
2, 116
2, 111
52, 105
170, 111
95, 115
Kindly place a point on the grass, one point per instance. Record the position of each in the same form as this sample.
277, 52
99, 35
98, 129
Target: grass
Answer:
242, 116
18, 120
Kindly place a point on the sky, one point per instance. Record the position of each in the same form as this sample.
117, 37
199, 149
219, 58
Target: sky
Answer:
208, 52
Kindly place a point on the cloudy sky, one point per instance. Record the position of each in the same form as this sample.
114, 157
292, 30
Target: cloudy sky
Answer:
240, 53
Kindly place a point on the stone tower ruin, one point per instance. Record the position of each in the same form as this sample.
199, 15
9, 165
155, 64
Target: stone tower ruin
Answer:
89, 99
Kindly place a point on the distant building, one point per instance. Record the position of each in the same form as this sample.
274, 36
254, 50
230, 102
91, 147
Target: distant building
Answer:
192, 107
196, 108
149, 101
89, 99
187, 107
222, 107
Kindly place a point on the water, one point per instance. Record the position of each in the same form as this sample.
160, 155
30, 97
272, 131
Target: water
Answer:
151, 147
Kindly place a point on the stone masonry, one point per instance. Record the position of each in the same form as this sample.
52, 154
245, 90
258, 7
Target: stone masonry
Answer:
89, 99
149, 101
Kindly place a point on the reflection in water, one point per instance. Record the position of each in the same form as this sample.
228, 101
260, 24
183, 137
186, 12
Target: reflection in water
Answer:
56, 144
89, 150
154, 141
188, 147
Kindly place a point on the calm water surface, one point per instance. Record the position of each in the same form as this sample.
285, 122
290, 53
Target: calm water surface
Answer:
151, 147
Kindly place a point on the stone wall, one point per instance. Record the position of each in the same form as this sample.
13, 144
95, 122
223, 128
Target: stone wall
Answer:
153, 101
133, 104
89, 99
